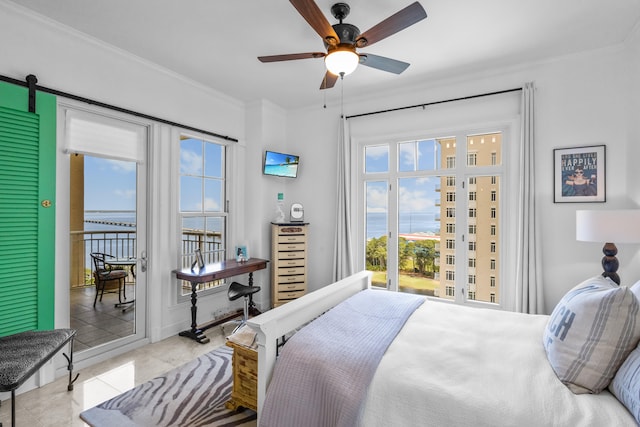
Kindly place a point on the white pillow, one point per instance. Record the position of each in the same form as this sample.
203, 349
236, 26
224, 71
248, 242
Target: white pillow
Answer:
591, 332
626, 384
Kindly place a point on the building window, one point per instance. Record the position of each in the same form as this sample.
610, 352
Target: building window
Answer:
450, 244
493, 212
473, 213
494, 158
493, 247
450, 291
472, 196
492, 280
493, 195
451, 228
451, 181
202, 203
471, 295
472, 245
472, 159
472, 262
493, 264
450, 275
451, 212
451, 196
472, 279
451, 162
472, 229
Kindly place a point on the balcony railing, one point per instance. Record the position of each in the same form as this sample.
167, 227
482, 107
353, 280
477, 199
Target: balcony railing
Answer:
122, 244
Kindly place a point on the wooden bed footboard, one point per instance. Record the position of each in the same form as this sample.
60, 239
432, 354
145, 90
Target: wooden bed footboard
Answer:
273, 324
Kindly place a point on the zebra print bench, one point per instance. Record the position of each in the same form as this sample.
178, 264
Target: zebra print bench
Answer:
21, 355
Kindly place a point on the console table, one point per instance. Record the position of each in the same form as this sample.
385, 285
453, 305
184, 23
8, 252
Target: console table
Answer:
209, 273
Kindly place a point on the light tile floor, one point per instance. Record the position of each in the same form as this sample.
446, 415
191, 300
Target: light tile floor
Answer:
53, 406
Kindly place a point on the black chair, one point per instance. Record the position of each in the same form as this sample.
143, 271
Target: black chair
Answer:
236, 290
106, 277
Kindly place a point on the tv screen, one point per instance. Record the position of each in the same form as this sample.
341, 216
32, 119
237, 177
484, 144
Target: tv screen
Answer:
281, 164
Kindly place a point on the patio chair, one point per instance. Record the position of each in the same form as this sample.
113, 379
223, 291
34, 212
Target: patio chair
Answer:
106, 279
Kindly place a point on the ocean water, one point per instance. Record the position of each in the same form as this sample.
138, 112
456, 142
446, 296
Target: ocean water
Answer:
408, 223
376, 222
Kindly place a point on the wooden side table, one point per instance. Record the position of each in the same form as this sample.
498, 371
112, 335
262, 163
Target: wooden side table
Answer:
244, 392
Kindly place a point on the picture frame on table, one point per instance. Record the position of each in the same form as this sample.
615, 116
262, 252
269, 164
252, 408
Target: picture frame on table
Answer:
241, 253
199, 261
579, 174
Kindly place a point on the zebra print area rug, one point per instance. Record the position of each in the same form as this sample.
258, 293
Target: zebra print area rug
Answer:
192, 395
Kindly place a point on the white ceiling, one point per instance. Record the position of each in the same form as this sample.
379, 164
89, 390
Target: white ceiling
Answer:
216, 43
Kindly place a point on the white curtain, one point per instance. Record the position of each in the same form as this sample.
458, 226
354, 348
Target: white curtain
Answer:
343, 256
528, 273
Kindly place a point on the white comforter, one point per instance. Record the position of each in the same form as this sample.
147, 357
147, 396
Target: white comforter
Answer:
477, 367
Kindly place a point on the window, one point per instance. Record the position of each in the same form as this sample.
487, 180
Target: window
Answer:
493, 264
410, 192
493, 247
202, 203
493, 212
451, 162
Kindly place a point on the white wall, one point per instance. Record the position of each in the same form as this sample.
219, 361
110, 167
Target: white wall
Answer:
579, 101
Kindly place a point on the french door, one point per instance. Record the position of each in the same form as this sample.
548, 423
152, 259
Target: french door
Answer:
431, 210
107, 215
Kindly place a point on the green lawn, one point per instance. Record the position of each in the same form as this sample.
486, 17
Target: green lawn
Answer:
416, 283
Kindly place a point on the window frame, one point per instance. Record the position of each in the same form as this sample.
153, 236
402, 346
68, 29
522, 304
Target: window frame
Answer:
507, 172
209, 288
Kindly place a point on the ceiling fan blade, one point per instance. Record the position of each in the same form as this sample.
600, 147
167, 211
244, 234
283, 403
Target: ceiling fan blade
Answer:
397, 22
291, 56
383, 63
314, 16
328, 81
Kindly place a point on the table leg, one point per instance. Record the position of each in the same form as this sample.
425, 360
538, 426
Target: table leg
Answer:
194, 333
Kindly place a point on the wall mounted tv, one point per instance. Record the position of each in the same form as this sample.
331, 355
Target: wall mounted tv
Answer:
280, 164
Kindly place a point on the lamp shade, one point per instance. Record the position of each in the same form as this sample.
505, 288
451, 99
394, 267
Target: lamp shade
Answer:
341, 61
616, 226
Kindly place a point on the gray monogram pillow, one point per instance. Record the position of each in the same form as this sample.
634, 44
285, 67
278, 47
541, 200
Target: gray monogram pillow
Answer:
590, 333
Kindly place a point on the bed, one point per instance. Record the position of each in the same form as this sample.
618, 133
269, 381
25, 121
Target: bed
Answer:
447, 365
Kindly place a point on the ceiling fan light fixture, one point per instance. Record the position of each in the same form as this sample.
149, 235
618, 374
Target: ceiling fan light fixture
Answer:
341, 61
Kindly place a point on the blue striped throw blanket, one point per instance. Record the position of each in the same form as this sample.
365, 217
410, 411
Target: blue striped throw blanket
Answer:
322, 374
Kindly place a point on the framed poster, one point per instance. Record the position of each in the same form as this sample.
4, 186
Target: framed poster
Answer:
579, 174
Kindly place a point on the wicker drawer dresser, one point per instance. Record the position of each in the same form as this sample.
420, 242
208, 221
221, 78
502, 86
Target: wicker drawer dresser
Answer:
289, 262
245, 378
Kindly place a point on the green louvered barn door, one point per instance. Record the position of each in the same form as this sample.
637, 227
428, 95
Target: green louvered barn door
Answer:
27, 213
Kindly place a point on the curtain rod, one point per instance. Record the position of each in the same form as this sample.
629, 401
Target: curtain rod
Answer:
434, 103
113, 107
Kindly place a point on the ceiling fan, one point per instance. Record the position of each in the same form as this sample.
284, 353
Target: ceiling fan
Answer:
341, 40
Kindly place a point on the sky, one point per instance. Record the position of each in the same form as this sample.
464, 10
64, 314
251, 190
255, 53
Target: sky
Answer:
109, 184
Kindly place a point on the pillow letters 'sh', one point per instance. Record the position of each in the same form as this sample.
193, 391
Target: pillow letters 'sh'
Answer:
590, 333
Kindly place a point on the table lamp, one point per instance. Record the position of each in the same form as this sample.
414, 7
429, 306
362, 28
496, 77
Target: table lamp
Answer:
620, 226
